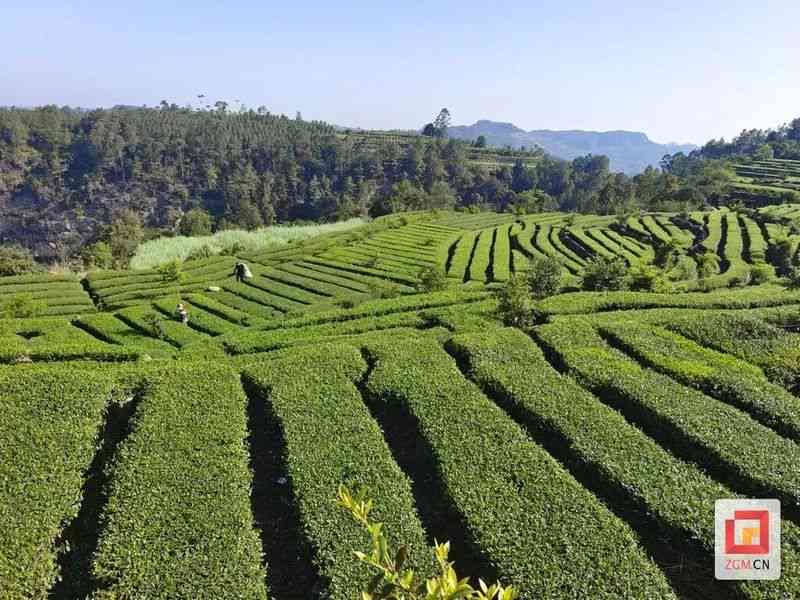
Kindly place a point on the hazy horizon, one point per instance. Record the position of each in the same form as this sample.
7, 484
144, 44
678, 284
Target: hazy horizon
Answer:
681, 74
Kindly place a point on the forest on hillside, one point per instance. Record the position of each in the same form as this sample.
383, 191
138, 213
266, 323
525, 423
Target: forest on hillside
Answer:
66, 174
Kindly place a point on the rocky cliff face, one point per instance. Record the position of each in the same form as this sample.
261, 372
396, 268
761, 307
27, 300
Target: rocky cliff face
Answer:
55, 229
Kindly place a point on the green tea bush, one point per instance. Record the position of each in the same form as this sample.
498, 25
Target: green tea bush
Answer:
544, 276
776, 351
329, 434
16, 260
49, 425
604, 274
502, 484
515, 304
615, 455
588, 302
432, 279
715, 434
21, 306
719, 375
178, 522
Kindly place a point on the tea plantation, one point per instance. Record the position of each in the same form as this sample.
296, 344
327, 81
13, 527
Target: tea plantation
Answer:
141, 457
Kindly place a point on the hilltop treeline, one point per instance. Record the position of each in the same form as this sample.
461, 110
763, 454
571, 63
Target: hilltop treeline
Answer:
66, 173
782, 142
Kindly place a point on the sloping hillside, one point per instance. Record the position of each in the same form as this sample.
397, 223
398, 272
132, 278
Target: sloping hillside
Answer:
629, 152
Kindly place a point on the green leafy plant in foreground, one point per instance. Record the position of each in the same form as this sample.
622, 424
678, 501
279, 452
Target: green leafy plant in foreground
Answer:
392, 582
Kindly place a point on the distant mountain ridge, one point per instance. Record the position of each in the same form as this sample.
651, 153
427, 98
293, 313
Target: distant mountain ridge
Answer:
629, 151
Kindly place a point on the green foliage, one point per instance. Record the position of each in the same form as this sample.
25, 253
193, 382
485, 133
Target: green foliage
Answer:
178, 522
588, 302
793, 279
21, 306
619, 456
15, 260
154, 325
201, 253
761, 273
124, 236
384, 291
707, 265
231, 242
644, 277
195, 222
781, 254
666, 253
719, 375
330, 435
97, 256
49, 424
713, 433
604, 274
515, 304
501, 483
432, 279
544, 276
684, 269
172, 273
393, 581
776, 351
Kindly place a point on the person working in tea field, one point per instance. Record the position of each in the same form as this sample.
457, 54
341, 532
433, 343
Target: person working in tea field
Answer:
242, 272
183, 314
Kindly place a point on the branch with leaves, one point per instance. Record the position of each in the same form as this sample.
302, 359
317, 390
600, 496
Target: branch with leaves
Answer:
393, 582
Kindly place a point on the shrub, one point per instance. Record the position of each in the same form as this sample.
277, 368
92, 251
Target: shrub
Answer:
236, 248
432, 279
793, 279
684, 269
719, 375
604, 274
515, 303
384, 291
716, 435
544, 276
178, 522
643, 277
623, 461
49, 424
761, 273
195, 222
201, 253
666, 253
21, 306
329, 436
16, 260
781, 254
504, 485
393, 580
171, 272
707, 265
589, 302
154, 324
97, 256
124, 236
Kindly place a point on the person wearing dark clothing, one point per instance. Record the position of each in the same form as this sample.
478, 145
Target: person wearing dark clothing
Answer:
242, 272
238, 271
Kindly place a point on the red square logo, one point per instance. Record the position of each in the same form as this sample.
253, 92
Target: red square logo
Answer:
753, 523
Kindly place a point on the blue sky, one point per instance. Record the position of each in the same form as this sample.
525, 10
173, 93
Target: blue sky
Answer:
687, 71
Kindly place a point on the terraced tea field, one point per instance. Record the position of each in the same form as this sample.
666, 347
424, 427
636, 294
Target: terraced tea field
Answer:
144, 458
774, 175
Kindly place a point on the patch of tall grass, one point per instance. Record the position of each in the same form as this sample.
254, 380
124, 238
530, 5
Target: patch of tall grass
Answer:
165, 249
